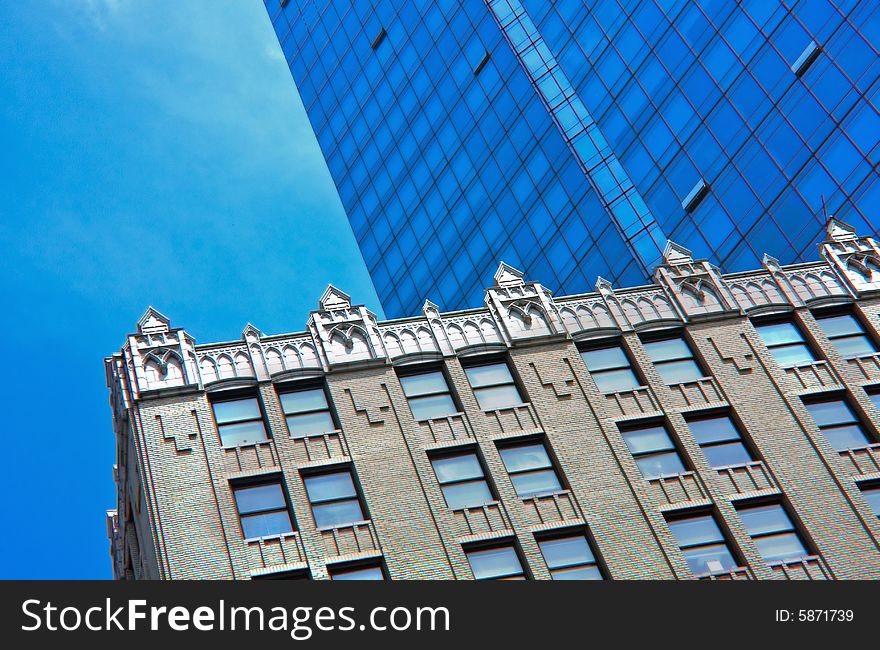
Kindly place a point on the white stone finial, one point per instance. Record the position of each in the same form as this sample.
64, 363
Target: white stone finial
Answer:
153, 322
837, 230
251, 331
507, 276
430, 309
334, 299
677, 254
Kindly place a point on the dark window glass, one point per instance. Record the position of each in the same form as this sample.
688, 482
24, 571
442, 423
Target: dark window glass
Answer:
847, 335
530, 468
875, 400
462, 480
357, 573
307, 412
610, 369
872, 496
262, 510
720, 441
239, 422
654, 451
674, 360
773, 533
703, 544
494, 386
428, 395
570, 558
838, 424
786, 344
499, 563
334, 499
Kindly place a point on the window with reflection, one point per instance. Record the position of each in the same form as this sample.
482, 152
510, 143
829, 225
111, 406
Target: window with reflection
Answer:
462, 480
838, 424
610, 369
493, 386
239, 421
786, 343
358, 572
773, 532
847, 335
703, 545
720, 441
334, 499
653, 450
674, 360
530, 468
428, 395
872, 496
262, 509
307, 412
874, 396
497, 563
570, 558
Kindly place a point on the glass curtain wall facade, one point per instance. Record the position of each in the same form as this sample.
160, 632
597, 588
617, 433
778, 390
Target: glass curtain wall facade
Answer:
572, 138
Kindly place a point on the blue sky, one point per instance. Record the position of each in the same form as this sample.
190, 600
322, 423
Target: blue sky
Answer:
152, 153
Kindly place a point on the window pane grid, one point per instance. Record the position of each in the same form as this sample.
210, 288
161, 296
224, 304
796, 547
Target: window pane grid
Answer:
674, 360
847, 335
239, 422
610, 369
334, 499
428, 395
720, 441
786, 344
493, 386
773, 532
462, 481
838, 424
654, 452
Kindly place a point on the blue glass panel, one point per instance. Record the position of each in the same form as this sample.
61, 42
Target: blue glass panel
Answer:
457, 468
524, 457
242, 409
259, 497
335, 485
303, 400
494, 563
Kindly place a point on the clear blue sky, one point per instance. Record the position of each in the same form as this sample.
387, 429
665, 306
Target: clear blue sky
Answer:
152, 152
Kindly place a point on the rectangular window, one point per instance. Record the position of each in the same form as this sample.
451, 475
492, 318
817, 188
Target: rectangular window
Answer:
838, 424
262, 509
720, 441
428, 395
875, 399
530, 468
462, 480
334, 499
570, 558
773, 533
674, 360
703, 544
872, 496
847, 335
369, 572
239, 422
494, 386
786, 344
610, 369
307, 412
654, 451
498, 563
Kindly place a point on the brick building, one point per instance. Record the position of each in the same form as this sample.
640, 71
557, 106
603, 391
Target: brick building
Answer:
711, 426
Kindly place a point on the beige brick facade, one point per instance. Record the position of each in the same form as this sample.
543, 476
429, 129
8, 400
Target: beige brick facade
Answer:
176, 517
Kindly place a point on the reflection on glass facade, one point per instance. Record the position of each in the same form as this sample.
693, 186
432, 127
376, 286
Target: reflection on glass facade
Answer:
570, 139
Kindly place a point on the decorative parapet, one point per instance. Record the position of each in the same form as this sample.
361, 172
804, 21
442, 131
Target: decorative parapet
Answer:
339, 335
855, 259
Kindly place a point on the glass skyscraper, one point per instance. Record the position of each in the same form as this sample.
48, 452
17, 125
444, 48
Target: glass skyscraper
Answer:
573, 138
